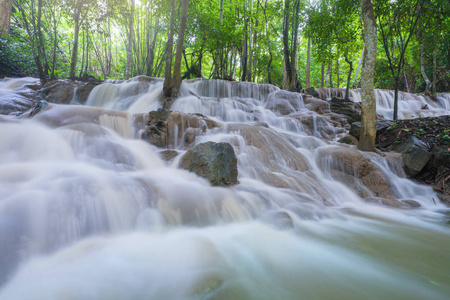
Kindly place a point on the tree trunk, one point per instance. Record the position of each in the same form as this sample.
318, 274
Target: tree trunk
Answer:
5, 16
350, 63
308, 65
74, 58
167, 90
368, 101
433, 86
396, 86
287, 62
130, 42
244, 54
41, 48
322, 76
422, 70
355, 82
151, 51
177, 67
337, 68
37, 59
293, 85
172, 91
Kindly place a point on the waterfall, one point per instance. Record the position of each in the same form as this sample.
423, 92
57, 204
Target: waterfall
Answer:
409, 105
89, 211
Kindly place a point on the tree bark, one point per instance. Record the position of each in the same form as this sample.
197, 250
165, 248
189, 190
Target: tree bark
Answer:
294, 83
308, 65
171, 92
167, 87
41, 48
322, 76
368, 101
355, 82
287, 61
36, 56
422, 70
350, 63
337, 68
74, 58
177, 67
5, 16
130, 42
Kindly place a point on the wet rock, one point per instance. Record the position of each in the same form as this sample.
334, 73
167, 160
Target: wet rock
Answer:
312, 91
168, 155
62, 91
349, 109
415, 155
353, 163
323, 126
355, 128
349, 140
440, 158
216, 162
40, 106
387, 202
412, 203
284, 102
444, 198
173, 129
317, 105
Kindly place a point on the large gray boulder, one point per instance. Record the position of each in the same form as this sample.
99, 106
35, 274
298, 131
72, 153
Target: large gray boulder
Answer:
415, 155
216, 162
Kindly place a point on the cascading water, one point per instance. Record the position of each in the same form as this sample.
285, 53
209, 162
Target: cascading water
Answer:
409, 105
87, 211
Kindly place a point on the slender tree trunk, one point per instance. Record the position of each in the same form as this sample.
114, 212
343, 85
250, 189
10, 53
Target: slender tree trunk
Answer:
35, 52
422, 70
294, 82
355, 82
55, 44
350, 63
5, 16
74, 58
151, 51
406, 80
178, 56
396, 88
172, 91
130, 42
322, 76
41, 48
244, 55
433, 86
269, 45
329, 74
337, 68
368, 101
169, 54
436, 33
287, 62
308, 65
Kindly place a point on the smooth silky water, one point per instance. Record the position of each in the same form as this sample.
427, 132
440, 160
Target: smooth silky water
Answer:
88, 211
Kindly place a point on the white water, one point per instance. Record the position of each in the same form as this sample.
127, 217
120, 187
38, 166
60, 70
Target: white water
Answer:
87, 212
409, 105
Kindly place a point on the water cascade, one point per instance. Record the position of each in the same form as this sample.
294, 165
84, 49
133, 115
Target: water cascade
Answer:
409, 105
89, 211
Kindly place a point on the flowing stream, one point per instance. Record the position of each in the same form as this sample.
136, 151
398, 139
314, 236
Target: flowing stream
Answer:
89, 211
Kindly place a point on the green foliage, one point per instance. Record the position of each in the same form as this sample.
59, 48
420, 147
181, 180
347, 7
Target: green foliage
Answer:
214, 48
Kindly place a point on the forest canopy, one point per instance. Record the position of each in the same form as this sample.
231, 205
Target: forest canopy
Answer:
289, 43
